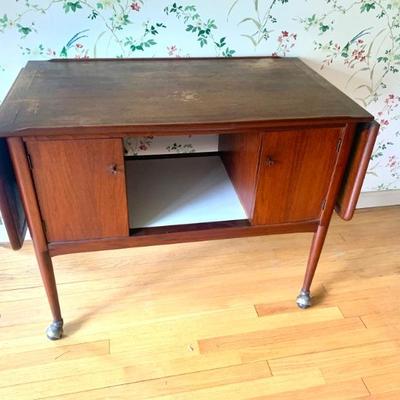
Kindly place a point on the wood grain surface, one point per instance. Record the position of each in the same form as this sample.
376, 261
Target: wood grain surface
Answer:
81, 188
240, 154
294, 174
60, 96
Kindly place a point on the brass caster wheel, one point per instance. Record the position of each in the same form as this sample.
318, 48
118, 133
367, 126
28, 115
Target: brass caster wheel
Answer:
55, 330
304, 299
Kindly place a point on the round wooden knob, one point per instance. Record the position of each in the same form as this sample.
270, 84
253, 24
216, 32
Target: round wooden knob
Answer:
270, 161
114, 169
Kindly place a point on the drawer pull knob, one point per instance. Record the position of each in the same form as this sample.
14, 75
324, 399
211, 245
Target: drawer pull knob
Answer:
270, 161
114, 169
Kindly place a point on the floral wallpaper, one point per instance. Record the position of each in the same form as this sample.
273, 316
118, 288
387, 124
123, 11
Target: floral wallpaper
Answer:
354, 44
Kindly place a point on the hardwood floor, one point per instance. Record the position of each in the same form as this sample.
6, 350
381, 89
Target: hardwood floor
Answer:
211, 320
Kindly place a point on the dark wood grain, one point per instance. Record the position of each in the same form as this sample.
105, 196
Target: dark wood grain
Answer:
294, 174
315, 253
240, 155
279, 121
12, 210
151, 93
185, 234
339, 169
81, 188
357, 166
22, 172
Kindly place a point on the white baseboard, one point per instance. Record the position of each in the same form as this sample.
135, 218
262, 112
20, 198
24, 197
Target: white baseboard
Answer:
379, 199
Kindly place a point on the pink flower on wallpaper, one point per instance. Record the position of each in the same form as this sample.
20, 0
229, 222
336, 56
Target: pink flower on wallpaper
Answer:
145, 142
81, 52
335, 50
135, 6
392, 100
358, 55
172, 50
286, 41
392, 161
394, 166
391, 103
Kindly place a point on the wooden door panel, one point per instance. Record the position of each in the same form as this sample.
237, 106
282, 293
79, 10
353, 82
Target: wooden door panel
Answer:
294, 174
81, 188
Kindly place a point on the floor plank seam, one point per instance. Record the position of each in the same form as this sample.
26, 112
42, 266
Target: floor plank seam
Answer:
366, 387
269, 368
363, 322
152, 380
328, 351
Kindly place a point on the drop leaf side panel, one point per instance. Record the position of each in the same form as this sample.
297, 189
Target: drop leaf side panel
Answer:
356, 169
80, 186
294, 174
11, 206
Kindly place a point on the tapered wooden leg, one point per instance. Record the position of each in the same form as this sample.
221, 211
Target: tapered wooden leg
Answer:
304, 298
28, 194
55, 329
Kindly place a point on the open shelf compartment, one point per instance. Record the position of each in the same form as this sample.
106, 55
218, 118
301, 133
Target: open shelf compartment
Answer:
182, 190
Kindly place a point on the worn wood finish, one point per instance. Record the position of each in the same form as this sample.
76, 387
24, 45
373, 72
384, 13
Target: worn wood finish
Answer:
294, 174
363, 146
81, 188
12, 210
22, 172
240, 155
146, 313
181, 234
168, 92
286, 140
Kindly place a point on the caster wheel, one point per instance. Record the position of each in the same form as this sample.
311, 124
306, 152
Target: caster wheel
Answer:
304, 299
55, 330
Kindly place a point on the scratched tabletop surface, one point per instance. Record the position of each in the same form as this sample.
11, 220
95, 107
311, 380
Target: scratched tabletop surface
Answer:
59, 95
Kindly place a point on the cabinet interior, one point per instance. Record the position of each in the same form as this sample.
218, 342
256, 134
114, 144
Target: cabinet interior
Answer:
185, 191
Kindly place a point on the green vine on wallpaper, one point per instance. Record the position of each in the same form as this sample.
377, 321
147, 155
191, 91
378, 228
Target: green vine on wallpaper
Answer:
366, 50
116, 15
145, 41
204, 30
260, 20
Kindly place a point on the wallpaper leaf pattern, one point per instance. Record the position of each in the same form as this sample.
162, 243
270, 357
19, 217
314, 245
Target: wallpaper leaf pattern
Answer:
354, 44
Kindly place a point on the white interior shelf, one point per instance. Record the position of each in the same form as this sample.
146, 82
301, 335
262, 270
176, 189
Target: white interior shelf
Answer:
177, 191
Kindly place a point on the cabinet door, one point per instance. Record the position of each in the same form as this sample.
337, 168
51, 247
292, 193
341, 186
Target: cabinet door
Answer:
294, 174
80, 186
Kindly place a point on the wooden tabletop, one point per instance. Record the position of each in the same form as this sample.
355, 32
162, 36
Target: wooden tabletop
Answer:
63, 95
